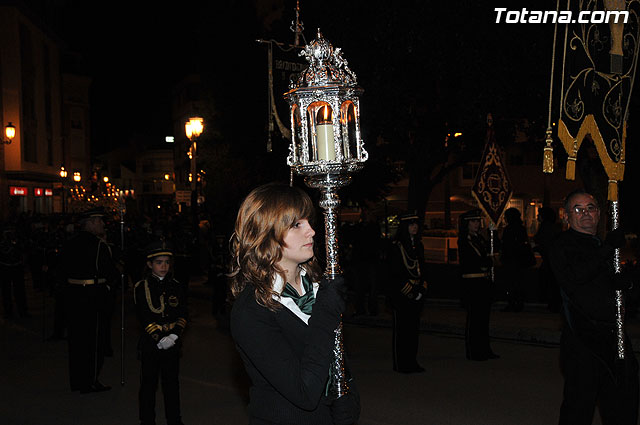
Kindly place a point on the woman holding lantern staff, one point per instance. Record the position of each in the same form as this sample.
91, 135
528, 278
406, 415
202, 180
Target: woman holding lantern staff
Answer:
284, 315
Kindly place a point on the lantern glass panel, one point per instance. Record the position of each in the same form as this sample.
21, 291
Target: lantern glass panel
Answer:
311, 139
298, 139
349, 135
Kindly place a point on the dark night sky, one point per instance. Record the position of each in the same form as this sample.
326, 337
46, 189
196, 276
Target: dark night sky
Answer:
135, 53
134, 56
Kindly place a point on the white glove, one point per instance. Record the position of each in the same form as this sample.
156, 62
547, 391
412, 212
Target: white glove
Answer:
166, 343
173, 337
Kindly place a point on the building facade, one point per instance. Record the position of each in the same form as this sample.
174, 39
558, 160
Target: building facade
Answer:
35, 97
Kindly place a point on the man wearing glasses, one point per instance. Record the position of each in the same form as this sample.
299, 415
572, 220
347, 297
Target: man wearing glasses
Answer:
583, 266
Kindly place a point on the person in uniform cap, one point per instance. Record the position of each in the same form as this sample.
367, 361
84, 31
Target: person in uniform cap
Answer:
89, 272
407, 293
475, 264
161, 308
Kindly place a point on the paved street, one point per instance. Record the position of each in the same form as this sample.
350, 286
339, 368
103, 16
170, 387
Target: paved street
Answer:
523, 387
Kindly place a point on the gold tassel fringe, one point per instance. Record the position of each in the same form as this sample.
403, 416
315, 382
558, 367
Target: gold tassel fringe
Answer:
571, 168
547, 161
614, 170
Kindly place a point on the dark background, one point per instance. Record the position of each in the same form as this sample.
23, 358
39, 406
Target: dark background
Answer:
426, 67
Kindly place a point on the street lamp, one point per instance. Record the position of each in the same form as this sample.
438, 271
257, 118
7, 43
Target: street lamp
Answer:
63, 178
193, 129
76, 176
10, 133
326, 147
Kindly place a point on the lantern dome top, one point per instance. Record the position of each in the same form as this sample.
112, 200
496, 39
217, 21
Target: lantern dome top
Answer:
326, 66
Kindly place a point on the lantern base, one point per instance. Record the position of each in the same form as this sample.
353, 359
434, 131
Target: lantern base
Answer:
330, 202
323, 168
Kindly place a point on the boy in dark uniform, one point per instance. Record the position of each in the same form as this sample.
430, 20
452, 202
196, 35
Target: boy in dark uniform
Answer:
161, 307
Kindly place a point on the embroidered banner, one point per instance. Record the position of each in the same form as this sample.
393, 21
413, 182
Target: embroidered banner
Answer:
598, 77
492, 188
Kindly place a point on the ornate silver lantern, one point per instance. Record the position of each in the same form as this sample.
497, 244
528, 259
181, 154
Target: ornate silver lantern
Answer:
326, 143
326, 147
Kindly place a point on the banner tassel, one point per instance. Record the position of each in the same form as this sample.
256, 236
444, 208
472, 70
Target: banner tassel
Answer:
571, 168
547, 161
571, 162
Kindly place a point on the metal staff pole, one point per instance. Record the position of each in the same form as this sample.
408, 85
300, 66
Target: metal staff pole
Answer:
329, 202
326, 147
44, 290
492, 247
122, 284
619, 298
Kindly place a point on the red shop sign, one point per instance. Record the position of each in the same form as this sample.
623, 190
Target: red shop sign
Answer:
17, 191
48, 192
37, 191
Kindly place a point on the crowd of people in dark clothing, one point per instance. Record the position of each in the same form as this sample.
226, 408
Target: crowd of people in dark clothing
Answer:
376, 267
30, 246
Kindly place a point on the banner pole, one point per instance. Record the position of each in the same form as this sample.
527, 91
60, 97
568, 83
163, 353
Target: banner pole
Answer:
122, 284
619, 297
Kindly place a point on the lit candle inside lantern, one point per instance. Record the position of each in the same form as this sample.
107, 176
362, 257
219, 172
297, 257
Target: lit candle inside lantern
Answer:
324, 136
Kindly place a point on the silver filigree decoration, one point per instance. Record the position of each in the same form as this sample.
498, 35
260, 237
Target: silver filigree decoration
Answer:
337, 370
326, 65
619, 298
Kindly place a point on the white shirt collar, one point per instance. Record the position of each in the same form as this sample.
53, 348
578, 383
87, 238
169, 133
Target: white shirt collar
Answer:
278, 286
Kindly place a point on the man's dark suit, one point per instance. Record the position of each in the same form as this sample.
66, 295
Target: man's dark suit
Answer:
582, 266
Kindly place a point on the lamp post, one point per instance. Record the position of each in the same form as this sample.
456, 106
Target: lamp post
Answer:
63, 183
9, 133
193, 129
326, 147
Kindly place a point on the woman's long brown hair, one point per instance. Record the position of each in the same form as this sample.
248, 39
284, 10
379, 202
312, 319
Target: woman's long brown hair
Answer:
264, 218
